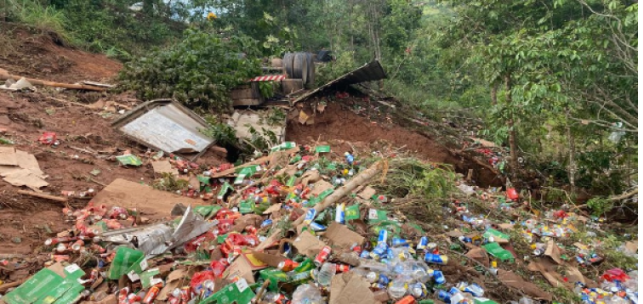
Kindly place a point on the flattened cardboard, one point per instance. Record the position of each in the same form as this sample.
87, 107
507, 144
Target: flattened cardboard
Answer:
110, 299
308, 245
506, 226
553, 252
144, 198
340, 236
319, 187
26, 177
272, 208
240, 268
310, 176
632, 246
548, 270
268, 259
515, 281
367, 193
245, 221
455, 233
8, 156
272, 240
172, 282
479, 255
350, 288
164, 166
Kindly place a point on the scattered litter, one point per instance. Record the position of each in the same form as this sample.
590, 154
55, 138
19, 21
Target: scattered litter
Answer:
129, 160
21, 85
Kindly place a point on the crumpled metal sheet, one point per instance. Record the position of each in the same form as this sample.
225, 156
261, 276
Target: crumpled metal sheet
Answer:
159, 238
369, 72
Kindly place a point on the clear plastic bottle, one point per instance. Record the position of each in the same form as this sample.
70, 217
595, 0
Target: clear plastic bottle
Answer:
306, 294
373, 265
525, 300
326, 273
398, 288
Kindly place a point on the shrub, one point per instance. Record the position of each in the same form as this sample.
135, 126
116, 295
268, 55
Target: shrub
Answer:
198, 71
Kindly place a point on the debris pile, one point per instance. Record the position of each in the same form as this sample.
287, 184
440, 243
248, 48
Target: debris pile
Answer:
304, 225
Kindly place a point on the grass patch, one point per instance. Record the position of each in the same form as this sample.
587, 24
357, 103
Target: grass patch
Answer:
45, 19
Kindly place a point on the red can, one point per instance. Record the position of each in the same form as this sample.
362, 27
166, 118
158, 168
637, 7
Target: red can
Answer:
151, 294
287, 265
251, 229
322, 256
59, 258
122, 295
406, 300
342, 268
76, 246
54, 241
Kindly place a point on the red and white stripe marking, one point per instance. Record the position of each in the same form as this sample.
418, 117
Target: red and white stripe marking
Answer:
268, 78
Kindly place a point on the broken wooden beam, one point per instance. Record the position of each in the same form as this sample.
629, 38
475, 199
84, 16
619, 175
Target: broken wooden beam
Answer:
45, 196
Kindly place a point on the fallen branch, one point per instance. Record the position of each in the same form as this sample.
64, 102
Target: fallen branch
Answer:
624, 195
4, 74
45, 196
351, 185
248, 164
70, 102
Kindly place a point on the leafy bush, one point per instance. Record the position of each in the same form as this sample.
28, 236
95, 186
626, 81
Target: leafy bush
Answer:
198, 71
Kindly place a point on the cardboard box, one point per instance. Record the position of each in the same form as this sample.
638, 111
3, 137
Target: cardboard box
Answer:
48, 286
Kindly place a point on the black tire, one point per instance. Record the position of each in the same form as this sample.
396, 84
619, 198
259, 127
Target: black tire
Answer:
288, 64
311, 71
300, 67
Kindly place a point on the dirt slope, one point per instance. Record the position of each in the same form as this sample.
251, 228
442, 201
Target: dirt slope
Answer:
43, 56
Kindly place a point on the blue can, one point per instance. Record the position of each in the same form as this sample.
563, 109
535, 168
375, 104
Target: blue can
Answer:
436, 259
310, 215
380, 249
365, 254
474, 289
349, 158
580, 260
438, 277
465, 239
266, 223
317, 226
444, 296
384, 279
397, 242
454, 291
389, 253
422, 243
340, 213
382, 237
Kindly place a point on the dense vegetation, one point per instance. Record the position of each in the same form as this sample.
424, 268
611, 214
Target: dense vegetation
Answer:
554, 81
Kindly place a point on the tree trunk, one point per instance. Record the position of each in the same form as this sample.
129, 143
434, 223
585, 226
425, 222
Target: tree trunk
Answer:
572, 161
494, 94
513, 150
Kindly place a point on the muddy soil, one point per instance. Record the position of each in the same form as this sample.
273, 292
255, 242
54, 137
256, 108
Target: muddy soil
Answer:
44, 55
339, 125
